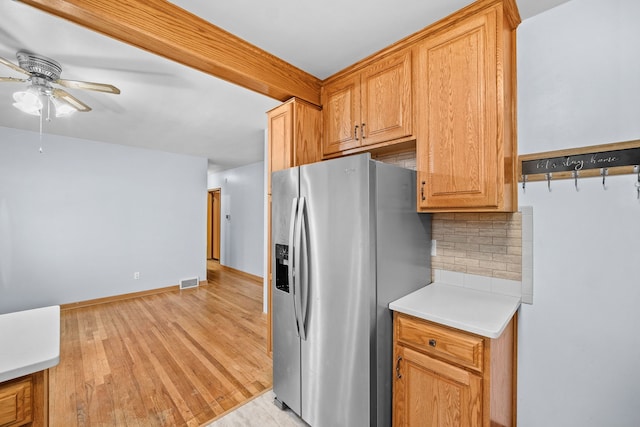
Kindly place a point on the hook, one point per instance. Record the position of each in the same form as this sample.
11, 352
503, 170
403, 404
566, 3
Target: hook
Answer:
549, 175
524, 181
604, 172
636, 169
576, 174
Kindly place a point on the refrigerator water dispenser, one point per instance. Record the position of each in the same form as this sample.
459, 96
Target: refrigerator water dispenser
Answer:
282, 267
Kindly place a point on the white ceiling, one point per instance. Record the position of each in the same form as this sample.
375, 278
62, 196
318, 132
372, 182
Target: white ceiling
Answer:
170, 107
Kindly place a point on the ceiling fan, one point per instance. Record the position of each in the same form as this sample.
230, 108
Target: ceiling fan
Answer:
43, 73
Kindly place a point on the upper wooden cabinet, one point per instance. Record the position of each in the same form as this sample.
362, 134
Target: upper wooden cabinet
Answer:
294, 135
465, 98
369, 106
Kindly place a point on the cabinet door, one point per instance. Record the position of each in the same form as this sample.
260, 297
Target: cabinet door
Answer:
280, 137
459, 148
307, 133
15, 402
432, 393
387, 112
341, 116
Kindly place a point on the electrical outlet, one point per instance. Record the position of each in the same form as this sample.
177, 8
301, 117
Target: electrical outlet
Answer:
433, 248
136, 275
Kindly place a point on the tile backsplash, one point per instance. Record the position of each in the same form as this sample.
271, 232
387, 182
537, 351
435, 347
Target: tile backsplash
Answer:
490, 252
405, 160
484, 244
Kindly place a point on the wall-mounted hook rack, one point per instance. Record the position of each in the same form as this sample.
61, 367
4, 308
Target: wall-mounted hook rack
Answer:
598, 160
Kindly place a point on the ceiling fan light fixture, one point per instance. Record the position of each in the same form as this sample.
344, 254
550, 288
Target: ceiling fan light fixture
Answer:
28, 102
62, 107
43, 74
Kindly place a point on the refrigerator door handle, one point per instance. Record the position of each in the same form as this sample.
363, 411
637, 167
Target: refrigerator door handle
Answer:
302, 259
293, 260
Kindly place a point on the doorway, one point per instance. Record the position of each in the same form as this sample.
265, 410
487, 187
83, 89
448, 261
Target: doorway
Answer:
213, 225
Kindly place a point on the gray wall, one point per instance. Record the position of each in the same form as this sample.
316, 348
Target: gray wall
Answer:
242, 233
579, 85
79, 219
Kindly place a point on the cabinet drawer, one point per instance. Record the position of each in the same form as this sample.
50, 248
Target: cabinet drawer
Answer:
457, 347
15, 402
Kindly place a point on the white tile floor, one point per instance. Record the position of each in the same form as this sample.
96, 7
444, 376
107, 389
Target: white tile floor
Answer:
260, 412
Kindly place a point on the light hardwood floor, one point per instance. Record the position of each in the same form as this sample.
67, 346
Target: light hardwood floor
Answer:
172, 359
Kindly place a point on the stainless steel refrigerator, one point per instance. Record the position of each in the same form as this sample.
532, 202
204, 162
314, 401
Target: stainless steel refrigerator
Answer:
347, 241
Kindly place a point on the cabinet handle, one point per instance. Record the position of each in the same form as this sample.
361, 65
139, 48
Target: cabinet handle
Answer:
398, 375
362, 131
422, 190
432, 342
355, 132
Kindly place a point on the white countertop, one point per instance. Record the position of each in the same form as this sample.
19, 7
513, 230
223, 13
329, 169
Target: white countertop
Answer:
29, 341
470, 310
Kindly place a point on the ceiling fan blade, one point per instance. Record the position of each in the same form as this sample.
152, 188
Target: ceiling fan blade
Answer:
13, 66
76, 84
12, 79
74, 102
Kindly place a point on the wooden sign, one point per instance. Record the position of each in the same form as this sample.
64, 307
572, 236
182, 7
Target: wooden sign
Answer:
599, 160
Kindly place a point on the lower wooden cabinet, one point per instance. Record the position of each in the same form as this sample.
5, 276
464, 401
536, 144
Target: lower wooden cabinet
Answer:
446, 377
434, 393
24, 401
15, 402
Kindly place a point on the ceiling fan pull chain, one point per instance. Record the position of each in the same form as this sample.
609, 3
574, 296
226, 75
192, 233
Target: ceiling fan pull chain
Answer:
40, 150
48, 109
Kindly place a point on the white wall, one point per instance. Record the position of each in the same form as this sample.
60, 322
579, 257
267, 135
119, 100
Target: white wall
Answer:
579, 345
242, 233
79, 219
266, 226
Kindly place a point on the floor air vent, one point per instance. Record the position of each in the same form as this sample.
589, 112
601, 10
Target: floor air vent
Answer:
189, 283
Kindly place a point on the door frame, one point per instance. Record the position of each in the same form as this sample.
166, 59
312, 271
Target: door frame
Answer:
213, 223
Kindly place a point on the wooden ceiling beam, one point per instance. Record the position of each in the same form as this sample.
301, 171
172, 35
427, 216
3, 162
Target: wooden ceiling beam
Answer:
165, 29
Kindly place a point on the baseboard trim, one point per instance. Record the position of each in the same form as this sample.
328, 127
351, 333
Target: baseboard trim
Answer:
242, 273
104, 300
121, 297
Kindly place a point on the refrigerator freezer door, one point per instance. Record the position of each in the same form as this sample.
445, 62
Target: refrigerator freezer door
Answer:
286, 342
339, 299
403, 253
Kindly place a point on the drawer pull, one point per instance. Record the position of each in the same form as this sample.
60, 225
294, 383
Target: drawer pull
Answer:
432, 342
